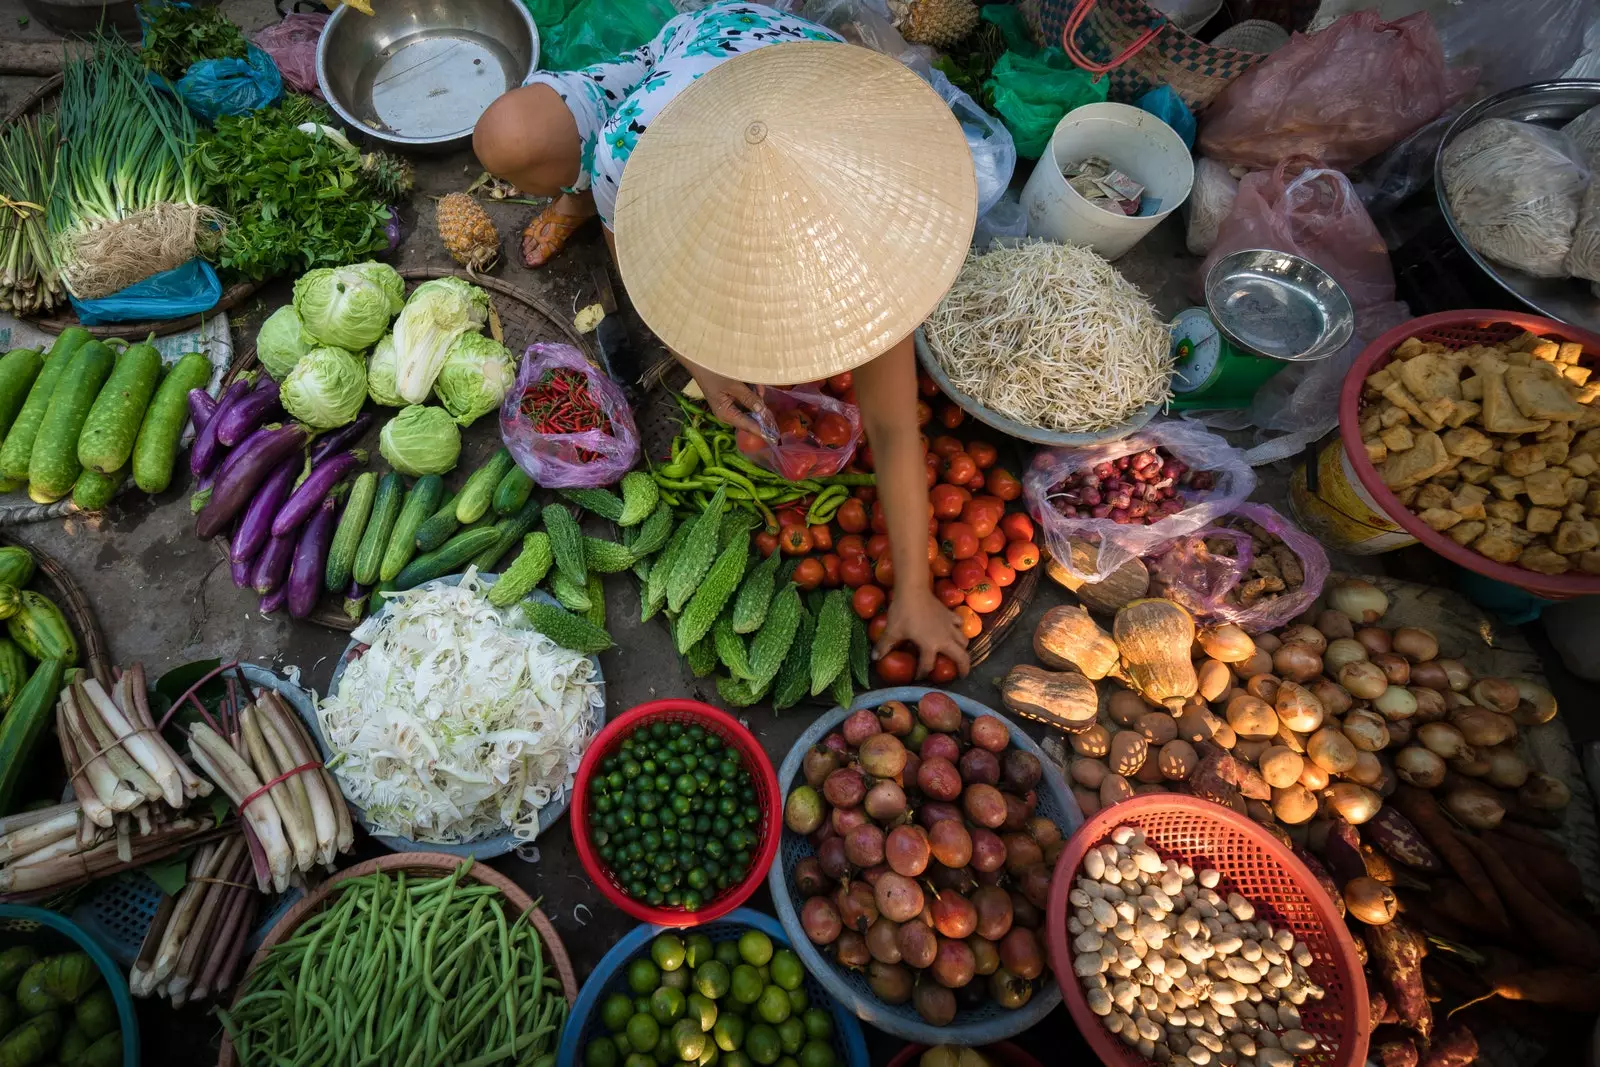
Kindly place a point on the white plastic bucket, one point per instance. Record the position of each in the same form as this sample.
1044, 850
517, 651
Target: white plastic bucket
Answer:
1134, 142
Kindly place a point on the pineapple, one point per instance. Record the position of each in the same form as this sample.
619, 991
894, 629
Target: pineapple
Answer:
390, 176
468, 234
940, 23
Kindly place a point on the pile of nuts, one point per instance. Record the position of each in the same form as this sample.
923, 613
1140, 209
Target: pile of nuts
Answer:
1183, 974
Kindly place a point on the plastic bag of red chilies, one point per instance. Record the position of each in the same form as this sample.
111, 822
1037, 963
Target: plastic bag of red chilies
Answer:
567, 425
1221, 482
805, 433
292, 44
1201, 580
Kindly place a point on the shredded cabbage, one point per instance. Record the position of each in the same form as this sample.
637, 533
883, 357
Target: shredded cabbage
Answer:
458, 722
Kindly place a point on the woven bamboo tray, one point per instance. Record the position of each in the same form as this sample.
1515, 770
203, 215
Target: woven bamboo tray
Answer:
74, 605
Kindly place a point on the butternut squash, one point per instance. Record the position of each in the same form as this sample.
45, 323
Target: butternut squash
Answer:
1127, 583
1153, 637
1063, 699
1067, 639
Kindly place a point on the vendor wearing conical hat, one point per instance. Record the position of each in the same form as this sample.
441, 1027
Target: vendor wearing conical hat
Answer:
779, 214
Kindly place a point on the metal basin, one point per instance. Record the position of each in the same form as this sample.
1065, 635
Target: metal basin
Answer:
1279, 305
419, 73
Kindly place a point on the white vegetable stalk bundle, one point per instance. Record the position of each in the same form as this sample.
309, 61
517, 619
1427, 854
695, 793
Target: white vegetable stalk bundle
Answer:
42, 852
196, 941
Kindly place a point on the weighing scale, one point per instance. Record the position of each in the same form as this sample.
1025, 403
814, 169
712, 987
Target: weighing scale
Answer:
1210, 370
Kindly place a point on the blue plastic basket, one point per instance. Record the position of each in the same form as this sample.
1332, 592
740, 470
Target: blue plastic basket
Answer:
982, 1025
610, 976
52, 933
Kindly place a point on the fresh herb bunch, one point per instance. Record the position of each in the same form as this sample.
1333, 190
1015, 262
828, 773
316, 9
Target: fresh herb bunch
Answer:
178, 35
297, 200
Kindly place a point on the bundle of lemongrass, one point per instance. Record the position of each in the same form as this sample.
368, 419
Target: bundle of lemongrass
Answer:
41, 854
196, 941
29, 281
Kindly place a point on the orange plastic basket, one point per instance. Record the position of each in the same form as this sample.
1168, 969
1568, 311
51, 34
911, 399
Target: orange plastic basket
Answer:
1258, 868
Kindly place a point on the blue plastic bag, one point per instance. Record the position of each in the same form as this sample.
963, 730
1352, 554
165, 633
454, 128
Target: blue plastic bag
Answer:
215, 87
1165, 104
172, 294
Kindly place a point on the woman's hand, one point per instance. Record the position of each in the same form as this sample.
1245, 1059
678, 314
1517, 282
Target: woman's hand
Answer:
728, 399
916, 615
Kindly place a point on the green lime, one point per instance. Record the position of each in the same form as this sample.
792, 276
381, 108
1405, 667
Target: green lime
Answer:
616, 1012
703, 1010
746, 984
620, 1039
643, 977
679, 979
765, 972
792, 1032
710, 1056
641, 1005
817, 1054
711, 979
643, 1032
787, 970
735, 1059
755, 948
688, 1040
601, 1052
667, 949
788, 1061
762, 1044
729, 1033
728, 953
639, 1059
698, 949
666, 1052
666, 1005
798, 1001
819, 1027
773, 1005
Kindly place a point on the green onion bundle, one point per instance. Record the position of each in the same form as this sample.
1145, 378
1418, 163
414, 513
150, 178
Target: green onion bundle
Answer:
124, 206
29, 281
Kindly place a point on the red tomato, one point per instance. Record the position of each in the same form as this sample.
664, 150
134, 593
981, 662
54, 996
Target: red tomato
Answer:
992, 502
980, 517
851, 546
809, 574
958, 540
933, 525
867, 601
941, 566
865, 493
949, 593
966, 574
880, 522
864, 458
883, 571
877, 546
944, 446
971, 624
1017, 527
749, 443
994, 543
855, 571
832, 430
948, 500
1022, 555
830, 571
924, 413
933, 548
976, 482
840, 382
1001, 573
849, 397
790, 515
984, 598
951, 415
821, 537
1003, 484
794, 423
933, 476
926, 385
944, 670
766, 543
959, 468
851, 516
794, 540
898, 668
982, 453
876, 626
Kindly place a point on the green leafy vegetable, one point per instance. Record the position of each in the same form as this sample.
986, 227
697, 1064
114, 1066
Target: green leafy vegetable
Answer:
348, 306
477, 372
282, 340
420, 440
326, 388
178, 35
380, 373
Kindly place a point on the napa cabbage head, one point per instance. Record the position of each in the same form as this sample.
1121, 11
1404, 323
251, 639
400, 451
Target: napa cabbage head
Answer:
436, 314
281, 341
325, 389
420, 440
476, 373
380, 373
348, 307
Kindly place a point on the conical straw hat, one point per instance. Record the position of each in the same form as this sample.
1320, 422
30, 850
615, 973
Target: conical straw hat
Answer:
795, 212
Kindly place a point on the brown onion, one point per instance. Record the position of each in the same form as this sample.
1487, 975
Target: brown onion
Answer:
1362, 601
1401, 730
1496, 694
1430, 675
1371, 901
1298, 707
1364, 680
1214, 679
1353, 803
1334, 698
1260, 663
1474, 764
1419, 766
1303, 634
1294, 804
1267, 642
1341, 651
1536, 704
1335, 624
1264, 686
1368, 771
1544, 792
1366, 730
1506, 769
1476, 805
1443, 740
1416, 644
1430, 704
1482, 727
1395, 667
1331, 750
1226, 643
1313, 777
1396, 703
1457, 673
1375, 639
1297, 661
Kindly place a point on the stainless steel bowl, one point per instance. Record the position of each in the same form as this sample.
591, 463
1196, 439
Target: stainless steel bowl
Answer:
1279, 305
420, 73
1551, 104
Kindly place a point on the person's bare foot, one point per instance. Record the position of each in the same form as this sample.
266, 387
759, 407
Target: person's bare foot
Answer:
550, 230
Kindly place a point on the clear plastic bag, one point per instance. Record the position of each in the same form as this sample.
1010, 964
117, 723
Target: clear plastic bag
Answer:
292, 44
188, 289
1513, 44
1201, 580
1118, 544
790, 455
1341, 95
994, 154
1209, 204
1005, 223
557, 461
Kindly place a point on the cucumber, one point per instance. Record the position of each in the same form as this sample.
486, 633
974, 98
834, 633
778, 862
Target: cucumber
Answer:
439, 527
512, 492
93, 490
448, 558
401, 544
477, 494
108, 434
375, 538
347, 535
157, 445
54, 465
512, 529
18, 369
18, 449
24, 725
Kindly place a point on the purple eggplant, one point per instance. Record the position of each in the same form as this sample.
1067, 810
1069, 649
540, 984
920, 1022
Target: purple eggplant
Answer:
391, 230
256, 525
202, 407
274, 600
355, 600
272, 566
203, 456
311, 559
241, 571
235, 424
230, 494
317, 485
336, 440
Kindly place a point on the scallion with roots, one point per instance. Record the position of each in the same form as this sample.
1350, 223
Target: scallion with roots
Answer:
29, 279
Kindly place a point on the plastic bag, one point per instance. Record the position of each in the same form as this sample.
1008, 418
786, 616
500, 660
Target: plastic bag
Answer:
184, 290
1166, 105
558, 461
1583, 258
1209, 204
1340, 96
1201, 580
212, 88
796, 459
1515, 190
863, 22
1032, 93
292, 44
1513, 44
1187, 441
574, 35
1006, 223
994, 154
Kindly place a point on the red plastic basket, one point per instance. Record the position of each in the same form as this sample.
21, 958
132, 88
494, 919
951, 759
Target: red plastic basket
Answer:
1457, 329
1001, 1054
768, 799
1258, 868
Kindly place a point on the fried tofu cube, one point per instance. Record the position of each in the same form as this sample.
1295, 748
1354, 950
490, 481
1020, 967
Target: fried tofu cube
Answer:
1576, 375
1542, 520
1416, 464
1380, 380
1447, 478
1545, 350
1554, 452
1500, 411
1406, 496
1576, 536
1377, 451
1506, 487
1427, 377
1591, 502
1547, 488
1397, 395
1589, 442
1474, 473
1463, 412
1587, 393
1569, 352
1497, 547
1542, 560
1492, 457
1574, 511
1472, 388
1524, 461
1466, 442
1439, 409
1464, 533
1371, 426
1583, 464
1524, 341
1432, 496
1589, 562
1560, 432
1468, 501
1576, 488
1397, 439
1439, 518
1511, 511
1392, 415
1411, 346
1590, 419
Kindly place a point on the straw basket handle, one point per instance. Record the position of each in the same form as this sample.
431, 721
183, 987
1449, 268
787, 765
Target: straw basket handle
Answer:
1080, 11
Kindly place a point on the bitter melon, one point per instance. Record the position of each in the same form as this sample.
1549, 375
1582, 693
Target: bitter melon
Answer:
566, 541
525, 572
781, 631
603, 502
708, 600
572, 596
730, 648
606, 557
639, 497
830, 649
565, 628
795, 677
695, 557
755, 595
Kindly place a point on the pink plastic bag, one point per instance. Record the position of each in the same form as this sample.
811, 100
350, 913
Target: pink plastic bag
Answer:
1201, 581
1341, 95
292, 44
569, 460
793, 457
1118, 543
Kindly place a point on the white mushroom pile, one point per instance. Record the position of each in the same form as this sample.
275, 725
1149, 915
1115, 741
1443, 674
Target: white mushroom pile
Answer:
1181, 972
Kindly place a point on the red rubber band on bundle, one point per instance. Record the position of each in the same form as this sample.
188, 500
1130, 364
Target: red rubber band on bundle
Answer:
284, 777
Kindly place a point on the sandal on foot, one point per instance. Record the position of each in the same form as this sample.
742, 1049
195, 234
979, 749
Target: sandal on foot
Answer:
548, 234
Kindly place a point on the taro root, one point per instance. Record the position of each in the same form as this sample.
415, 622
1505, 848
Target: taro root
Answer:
938, 712
845, 788
951, 843
860, 725
882, 755
906, 850
938, 779
918, 943
898, 898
